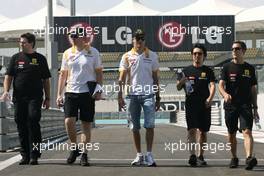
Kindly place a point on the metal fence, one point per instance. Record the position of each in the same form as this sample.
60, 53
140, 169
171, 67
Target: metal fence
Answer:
52, 126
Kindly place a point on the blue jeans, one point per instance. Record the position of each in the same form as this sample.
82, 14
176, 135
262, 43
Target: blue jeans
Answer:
134, 105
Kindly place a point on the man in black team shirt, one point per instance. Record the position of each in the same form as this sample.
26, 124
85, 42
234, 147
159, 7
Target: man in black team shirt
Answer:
238, 87
198, 81
30, 74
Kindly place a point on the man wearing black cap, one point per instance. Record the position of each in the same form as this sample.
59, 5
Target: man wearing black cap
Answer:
139, 77
198, 82
80, 64
30, 75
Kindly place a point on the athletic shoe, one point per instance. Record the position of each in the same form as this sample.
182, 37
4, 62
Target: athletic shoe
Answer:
73, 155
24, 161
84, 160
34, 160
193, 161
234, 163
251, 162
201, 161
138, 161
149, 160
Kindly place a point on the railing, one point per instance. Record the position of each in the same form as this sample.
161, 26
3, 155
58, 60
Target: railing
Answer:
52, 124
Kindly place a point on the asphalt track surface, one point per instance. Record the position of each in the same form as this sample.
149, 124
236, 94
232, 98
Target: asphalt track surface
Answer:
116, 151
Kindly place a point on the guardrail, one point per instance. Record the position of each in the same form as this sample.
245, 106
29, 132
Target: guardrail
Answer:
52, 124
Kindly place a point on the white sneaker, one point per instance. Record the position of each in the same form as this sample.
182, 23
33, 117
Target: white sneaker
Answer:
138, 161
149, 160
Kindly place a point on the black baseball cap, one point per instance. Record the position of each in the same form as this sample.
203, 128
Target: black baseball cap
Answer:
139, 34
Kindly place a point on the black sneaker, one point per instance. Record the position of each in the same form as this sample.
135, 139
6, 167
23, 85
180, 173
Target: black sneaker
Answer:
193, 161
251, 162
73, 155
24, 161
201, 161
84, 160
34, 161
234, 163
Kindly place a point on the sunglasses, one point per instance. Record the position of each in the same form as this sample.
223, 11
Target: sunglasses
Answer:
140, 38
22, 42
198, 53
236, 49
74, 36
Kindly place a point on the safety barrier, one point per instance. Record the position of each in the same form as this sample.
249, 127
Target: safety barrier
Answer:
52, 124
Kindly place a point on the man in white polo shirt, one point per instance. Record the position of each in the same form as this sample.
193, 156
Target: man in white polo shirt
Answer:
80, 64
139, 77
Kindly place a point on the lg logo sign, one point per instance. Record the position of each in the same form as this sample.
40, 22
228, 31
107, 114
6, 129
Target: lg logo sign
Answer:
172, 34
169, 35
123, 34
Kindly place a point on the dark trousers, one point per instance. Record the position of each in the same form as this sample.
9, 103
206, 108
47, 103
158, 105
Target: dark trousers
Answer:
27, 116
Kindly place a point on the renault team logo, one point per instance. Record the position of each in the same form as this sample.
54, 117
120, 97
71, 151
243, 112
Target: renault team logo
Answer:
203, 74
170, 35
247, 72
34, 61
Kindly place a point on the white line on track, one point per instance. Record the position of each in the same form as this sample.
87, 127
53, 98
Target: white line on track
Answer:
9, 162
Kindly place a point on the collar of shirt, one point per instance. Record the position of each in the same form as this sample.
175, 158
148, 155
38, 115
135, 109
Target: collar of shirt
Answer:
87, 49
146, 52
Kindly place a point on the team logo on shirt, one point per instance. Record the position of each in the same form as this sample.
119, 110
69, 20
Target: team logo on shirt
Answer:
21, 64
71, 56
146, 60
88, 55
203, 76
246, 73
232, 77
34, 61
191, 79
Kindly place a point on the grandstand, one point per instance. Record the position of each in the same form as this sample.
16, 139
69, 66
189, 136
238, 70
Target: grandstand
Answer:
252, 53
